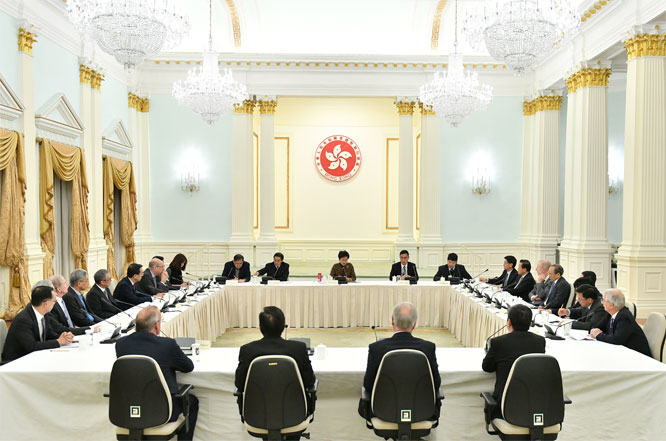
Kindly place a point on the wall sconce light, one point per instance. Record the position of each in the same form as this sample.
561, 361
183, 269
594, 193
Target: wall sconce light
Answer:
481, 181
614, 184
189, 181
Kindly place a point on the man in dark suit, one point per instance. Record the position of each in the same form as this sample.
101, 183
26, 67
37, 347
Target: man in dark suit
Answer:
166, 352
59, 318
237, 269
126, 292
559, 291
271, 324
151, 282
278, 269
403, 322
76, 304
542, 285
590, 313
620, 327
505, 349
509, 276
525, 283
30, 330
99, 298
404, 269
451, 269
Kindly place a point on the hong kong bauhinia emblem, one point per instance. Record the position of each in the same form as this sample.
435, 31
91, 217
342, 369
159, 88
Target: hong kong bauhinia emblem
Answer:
338, 158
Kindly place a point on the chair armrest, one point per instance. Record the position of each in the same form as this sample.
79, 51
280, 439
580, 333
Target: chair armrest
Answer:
365, 396
489, 399
313, 388
488, 408
237, 393
184, 390
440, 394
567, 400
107, 394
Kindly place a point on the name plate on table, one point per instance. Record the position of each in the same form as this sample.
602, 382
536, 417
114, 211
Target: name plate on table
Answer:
273, 282
444, 282
403, 282
331, 282
232, 282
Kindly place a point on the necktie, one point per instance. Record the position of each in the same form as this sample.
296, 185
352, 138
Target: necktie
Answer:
69, 319
106, 293
519, 280
83, 303
506, 279
155, 281
452, 270
404, 271
610, 327
43, 336
237, 274
277, 268
552, 285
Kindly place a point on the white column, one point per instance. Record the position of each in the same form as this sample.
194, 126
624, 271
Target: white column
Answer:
431, 250
143, 236
241, 176
406, 174
641, 259
267, 242
585, 243
92, 112
34, 255
527, 177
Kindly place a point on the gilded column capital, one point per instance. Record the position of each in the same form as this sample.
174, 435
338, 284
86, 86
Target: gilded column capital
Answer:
529, 108
143, 105
267, 107
247, 106
405, 108
26, 40
133, 101
646, 41
426, 110
85, 74
589, 76
96, 79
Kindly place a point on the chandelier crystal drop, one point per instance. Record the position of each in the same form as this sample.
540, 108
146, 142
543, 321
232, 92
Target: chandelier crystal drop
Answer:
520, 32
130, 30
205, 91
455, 94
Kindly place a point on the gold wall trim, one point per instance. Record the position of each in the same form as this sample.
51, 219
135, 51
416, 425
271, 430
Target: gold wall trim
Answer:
646, 45
437, 20
593, 10
85, 74
286, 227
386, 190
405, 108
26, 40
246, 106
587, 77
336, 64
267, 107
235, 23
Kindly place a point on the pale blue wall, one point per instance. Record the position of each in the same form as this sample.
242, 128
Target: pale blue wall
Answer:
56, 71
496, 134
9, 51
616, 111
114, 102
176, 216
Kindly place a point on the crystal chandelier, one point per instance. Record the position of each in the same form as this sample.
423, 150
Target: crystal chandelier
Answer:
455, 94
205, 91
130, 30
520, 32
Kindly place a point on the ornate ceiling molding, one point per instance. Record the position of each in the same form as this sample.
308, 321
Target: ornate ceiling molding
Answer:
437, 20
235, 23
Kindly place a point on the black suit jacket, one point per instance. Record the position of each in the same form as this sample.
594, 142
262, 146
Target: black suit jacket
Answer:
523, 287
274, 346
126, 293
595, 317
163, 350
281, 273
58, 321
513, 278
458, 271
625, 332
99, 304
396, 270
399, 340
504, 350
151, 286
229, 271
559, 296
23, 336
76, 311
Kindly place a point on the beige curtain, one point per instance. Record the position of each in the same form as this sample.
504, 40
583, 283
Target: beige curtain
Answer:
69, 165
119, 174
12, 216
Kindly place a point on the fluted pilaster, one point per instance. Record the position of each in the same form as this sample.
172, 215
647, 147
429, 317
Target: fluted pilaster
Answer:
406, 172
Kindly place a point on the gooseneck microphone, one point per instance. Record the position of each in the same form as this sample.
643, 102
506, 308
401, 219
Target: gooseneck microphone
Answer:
482, 272
491, 336
286, 328
375, 332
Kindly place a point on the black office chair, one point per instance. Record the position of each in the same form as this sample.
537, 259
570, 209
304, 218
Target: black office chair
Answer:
404, 402
140, 402
532, 402
274, 403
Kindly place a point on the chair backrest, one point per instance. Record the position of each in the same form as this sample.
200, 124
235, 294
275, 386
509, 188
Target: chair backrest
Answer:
3, 334
572, 297
404, 382
533, 393
139, 395
631, 307
655, 331
274, 396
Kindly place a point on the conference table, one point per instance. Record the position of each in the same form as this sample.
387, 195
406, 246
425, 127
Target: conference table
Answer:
57, 394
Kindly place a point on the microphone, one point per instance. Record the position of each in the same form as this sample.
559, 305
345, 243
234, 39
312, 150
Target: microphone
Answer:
193, 275
286, 328
482, 272
164, 333
491, 336
373, 330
